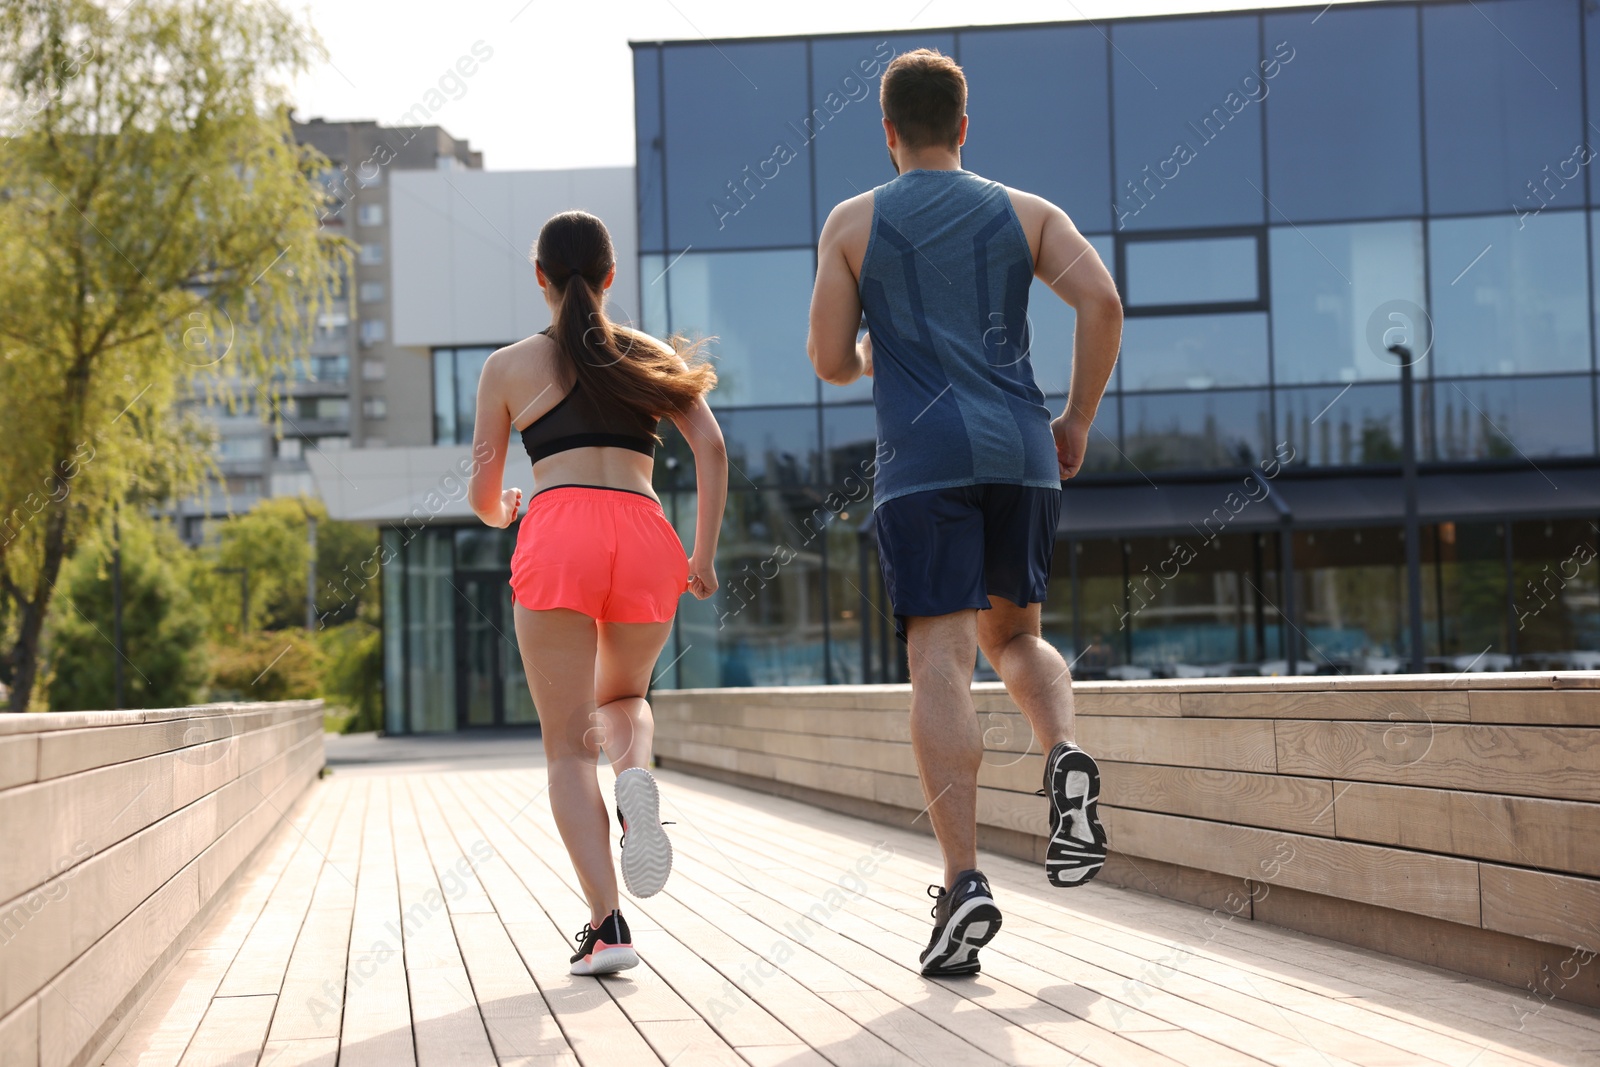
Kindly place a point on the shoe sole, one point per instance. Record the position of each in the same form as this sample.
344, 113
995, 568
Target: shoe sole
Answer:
974, 925
646, 851
1073, 784
608, 960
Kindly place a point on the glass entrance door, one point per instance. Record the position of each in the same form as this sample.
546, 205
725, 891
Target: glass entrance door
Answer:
490, 687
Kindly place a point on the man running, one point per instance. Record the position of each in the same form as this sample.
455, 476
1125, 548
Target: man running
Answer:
940, 261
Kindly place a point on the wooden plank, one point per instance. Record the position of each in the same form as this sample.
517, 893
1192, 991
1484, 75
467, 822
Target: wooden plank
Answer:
1537, 761
1557, 835
689, 1041
1221, 744
19, 1036
376, 1031
232, 1033
309, 1052
66, 752
1401, 706
1301, 805
1441, 886
1556, 908
19, 760
1576, 707
519, 1022
444, 1016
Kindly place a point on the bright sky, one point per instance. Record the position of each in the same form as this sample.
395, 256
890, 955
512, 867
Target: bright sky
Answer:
556, 90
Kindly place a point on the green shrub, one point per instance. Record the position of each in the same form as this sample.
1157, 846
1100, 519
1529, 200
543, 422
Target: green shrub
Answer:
270, 665
352, 674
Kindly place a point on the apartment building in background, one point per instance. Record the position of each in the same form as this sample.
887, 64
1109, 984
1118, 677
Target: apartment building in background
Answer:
352, 389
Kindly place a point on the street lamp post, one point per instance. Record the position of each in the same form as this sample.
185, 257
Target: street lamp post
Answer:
1408, 476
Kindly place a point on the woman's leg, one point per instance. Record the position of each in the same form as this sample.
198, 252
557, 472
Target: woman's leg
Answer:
558, 655
627, 653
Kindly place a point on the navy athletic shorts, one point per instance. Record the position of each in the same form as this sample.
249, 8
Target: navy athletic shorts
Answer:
946, 550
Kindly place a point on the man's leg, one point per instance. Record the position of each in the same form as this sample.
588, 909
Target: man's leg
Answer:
941, 651
1034, 673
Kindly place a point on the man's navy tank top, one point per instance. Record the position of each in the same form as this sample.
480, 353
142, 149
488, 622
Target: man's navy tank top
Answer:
944, 286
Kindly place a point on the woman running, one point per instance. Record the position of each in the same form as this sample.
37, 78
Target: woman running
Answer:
598, 570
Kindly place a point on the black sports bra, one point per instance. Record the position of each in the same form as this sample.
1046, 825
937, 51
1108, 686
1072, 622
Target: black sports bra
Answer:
577, 422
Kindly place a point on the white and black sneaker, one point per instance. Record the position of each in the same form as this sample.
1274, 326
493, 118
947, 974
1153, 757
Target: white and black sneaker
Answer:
1077, 848
606, 950
964, 920
646, 853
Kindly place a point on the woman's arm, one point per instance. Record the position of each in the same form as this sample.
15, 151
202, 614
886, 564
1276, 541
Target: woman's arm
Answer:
491, 433
699, 427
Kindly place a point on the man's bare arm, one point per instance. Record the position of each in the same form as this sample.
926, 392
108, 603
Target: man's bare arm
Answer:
836, 302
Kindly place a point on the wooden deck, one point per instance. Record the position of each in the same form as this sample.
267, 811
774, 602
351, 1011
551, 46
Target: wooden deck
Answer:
422, 914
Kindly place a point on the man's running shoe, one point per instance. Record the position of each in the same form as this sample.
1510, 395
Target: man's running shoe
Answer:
964, 920
646, 852
606, 950
1077, 848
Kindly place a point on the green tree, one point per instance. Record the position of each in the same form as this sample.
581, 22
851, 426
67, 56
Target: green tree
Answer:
158, 222
271, 545
164, 660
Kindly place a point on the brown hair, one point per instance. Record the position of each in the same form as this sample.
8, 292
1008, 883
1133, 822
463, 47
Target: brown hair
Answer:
617, 366
924, 95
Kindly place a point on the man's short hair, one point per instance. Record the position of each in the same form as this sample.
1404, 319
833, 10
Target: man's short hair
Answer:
924, 95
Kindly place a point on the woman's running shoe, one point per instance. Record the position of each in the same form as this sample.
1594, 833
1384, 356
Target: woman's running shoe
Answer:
964, 920
1077, 848
646, 852
606, 950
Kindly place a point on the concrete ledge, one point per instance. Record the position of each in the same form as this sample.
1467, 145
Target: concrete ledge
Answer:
1450, 819
120, 830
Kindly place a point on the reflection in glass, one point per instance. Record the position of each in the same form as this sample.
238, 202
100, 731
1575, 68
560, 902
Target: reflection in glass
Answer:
1351, 600
1500, 103
1509, 295
648, 145
1212, 270
770, 446
1065, 68
394, 632
430, 652
1051, 322
1188, 122
1193, 605
1194, 351
469, 368
1329, 284
1508, 418
849, 441
653, 296
444, 396
1465, 615
1343, 134
1340, 427
1102, 606
519, 709
756, 306
1555, 589
736, 168
1166, 431
844, 125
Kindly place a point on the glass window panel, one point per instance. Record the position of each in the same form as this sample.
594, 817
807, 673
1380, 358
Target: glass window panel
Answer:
1051, 322
1509, 295
1063, 159
756, 306
1330, 426
1215, 270
444, 396
1194, 351
1192, 604
1176, 431
1343, 134
648, 145
1465, 619
1509, 418
1102, 608
1350, 595
395, 622
1330, 284
483, 548
845, 125
1104, 454
849, 440
519, 708
1556, 590
858, 614
1188, 122
770, 446
765, 624
653, 299
735, 165
1501, 101
430, 633
469, 368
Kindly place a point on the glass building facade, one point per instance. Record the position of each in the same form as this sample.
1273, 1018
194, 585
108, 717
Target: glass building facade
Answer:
1282, 196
